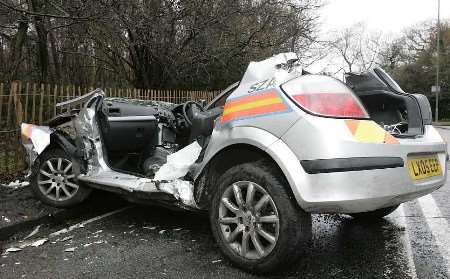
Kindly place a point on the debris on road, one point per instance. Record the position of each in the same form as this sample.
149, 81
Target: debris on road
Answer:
5, 219
19, 205
35, 231
16, 184
82, 224
13, 249
149, 228
66, 238
39, 242
24, 244
95, 242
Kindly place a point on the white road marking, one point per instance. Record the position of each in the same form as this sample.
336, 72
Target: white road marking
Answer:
407, 242
82, 224
438, 226
30, 242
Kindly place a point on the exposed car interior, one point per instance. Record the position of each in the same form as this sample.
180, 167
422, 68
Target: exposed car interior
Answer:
139, 136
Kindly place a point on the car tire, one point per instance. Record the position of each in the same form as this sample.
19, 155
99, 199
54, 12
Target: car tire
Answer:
291, 232
376, 214
54, 182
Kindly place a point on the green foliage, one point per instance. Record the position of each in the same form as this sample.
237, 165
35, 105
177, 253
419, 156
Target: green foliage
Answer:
412, 58
444, 105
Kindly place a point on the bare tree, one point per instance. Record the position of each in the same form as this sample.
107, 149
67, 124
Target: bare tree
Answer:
151, 43
354, 48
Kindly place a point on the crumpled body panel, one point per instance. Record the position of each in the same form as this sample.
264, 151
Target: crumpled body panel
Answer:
97, 171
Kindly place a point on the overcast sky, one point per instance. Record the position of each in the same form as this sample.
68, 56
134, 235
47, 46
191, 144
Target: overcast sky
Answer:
387, 16
382, 15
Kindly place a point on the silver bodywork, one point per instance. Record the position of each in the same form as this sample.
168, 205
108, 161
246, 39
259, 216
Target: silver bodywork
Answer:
98, 172
296, 135
288, 135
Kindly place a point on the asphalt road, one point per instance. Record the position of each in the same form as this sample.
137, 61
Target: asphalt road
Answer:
151, 242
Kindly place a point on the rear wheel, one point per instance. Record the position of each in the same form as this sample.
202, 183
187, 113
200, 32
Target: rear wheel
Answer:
376, 214
54, 182
255, 221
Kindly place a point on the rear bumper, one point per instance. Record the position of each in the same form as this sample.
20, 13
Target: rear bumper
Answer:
365, 190
334, 173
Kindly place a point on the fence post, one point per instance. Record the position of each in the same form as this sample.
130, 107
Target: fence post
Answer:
33, 109
17, 104
1, 101
48, 109
55, 98
15, 90
41, 104
3, 144
8, 113
25, 109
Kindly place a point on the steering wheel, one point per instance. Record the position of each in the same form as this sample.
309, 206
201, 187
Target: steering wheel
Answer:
189, 104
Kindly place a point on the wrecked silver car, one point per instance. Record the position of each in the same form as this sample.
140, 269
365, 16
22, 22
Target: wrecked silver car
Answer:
263, 155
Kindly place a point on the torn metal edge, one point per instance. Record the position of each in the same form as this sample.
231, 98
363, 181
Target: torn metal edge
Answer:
80, 99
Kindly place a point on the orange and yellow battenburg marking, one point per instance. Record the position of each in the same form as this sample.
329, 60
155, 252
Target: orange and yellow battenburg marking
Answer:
26, 129
370, 132
255, 105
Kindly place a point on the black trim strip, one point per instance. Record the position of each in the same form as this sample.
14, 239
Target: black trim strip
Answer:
350, 164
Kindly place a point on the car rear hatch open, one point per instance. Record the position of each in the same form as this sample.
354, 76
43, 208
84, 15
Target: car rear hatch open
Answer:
403, 115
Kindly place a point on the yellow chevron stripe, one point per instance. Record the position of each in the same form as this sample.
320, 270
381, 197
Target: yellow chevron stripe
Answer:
369, 131
251, 105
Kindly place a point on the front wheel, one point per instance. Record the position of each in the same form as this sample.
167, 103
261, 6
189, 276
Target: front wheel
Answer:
255, 221
54, 182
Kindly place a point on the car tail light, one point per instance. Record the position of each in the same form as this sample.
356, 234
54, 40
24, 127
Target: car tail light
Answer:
324, 96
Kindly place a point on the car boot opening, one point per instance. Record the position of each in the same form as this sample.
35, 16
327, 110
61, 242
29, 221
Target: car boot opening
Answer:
387, 104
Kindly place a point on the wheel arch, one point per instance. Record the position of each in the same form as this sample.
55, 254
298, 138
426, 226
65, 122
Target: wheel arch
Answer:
59, 140
227, 157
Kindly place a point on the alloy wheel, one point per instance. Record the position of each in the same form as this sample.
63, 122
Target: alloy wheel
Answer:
248, 220
56, 179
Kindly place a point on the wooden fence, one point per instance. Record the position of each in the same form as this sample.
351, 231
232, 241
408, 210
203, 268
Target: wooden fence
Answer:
35, 103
